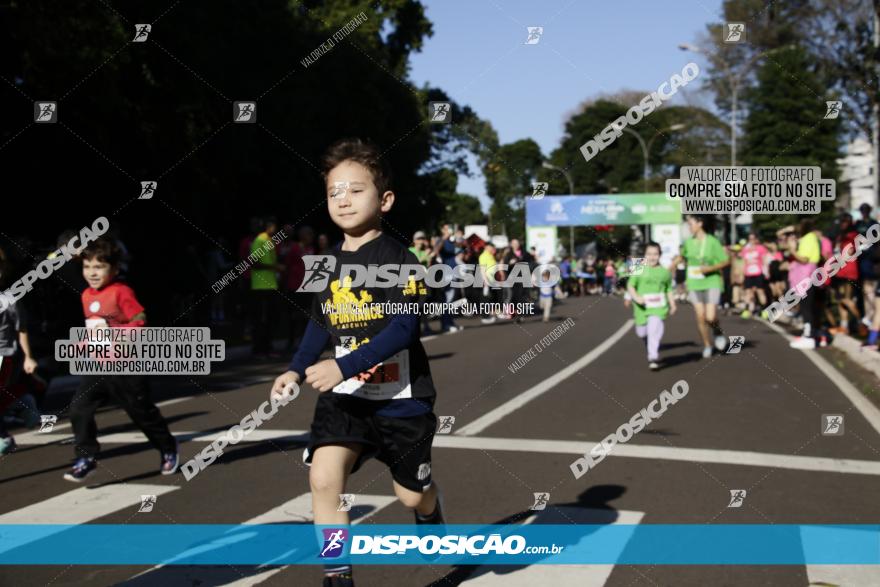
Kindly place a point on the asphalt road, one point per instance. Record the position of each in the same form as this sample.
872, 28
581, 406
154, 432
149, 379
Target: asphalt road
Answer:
750, 421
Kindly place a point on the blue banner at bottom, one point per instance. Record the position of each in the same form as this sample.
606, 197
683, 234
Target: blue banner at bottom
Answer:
470, 544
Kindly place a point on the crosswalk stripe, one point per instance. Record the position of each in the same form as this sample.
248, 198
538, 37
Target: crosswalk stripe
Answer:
540, 574
78, 506
538, 445
839, 574
293, 511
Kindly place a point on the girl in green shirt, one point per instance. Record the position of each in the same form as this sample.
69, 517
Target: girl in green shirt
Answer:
652, 301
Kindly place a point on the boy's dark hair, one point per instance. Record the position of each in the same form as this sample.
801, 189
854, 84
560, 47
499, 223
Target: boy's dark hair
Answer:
103, 250
359, 151
650, 244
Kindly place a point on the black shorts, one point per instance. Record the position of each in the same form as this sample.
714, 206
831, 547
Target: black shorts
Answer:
754, 281
403, 444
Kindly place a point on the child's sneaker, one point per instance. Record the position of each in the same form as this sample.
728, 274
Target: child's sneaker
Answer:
170, 461
654, 366
7, 445
803, 343
82, 468
707, 352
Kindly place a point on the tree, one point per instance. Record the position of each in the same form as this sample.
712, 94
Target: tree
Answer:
786, 124
509, 173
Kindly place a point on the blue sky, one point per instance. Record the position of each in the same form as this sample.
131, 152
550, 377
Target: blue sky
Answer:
479, 57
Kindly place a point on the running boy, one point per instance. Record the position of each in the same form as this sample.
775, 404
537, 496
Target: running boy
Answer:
110, 303
652, 300
376, 397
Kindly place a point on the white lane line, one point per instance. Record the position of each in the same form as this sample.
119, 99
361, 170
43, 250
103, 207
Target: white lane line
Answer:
27, 437
574, 447
861, 403
541, 574
701, 455
79, 506
535, 391
294, 511
203, 436
837, 574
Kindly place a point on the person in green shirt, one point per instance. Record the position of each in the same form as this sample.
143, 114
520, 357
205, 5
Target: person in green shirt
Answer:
425, 256
705, 258
264, 288
652, 301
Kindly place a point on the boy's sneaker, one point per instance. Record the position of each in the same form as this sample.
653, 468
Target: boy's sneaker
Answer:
803, 343
654, 366
720, 343
7, 445
170, 462
82, 468
344, 580
707, 352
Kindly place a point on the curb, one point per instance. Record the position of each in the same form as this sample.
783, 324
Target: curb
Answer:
869, 360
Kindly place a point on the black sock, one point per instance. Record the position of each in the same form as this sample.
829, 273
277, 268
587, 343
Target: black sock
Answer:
435, 517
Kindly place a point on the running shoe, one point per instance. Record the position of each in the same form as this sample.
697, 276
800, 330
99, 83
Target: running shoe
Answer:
720, 343
488, 320
823, 341
745, 314
170, 461
7, 445
654, 366
803, 343
454, 329
707, 352
82, 468
765, 314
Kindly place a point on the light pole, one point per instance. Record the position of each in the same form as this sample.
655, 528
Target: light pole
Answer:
547, 165
733, 82
646, 150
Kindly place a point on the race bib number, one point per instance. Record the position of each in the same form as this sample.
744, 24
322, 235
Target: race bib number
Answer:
387, 380
655, 300
694, 273
753, 269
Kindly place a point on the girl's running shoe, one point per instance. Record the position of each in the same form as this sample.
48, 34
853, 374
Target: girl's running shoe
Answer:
82, 468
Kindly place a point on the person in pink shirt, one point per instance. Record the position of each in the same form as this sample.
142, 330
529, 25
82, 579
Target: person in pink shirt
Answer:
756, 258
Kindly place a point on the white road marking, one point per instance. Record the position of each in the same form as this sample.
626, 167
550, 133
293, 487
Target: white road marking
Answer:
535, 391
573, 447
295, 511
701, 455
844, 575
80, 506
545, 574
861, 403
